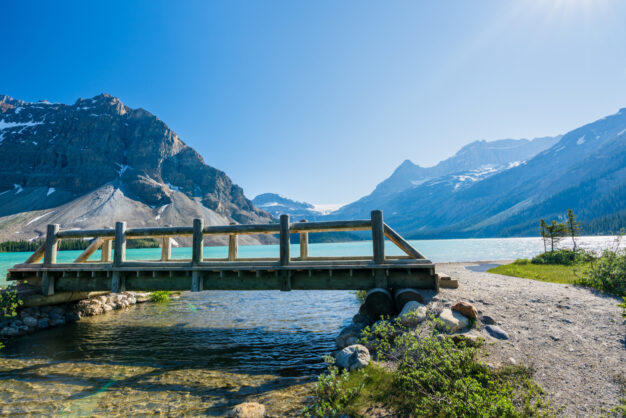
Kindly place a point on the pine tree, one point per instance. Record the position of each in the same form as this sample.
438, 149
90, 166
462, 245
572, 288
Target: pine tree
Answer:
573, 227
556, 231
544, 233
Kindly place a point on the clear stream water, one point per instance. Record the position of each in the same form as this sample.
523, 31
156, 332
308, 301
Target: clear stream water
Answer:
205, 352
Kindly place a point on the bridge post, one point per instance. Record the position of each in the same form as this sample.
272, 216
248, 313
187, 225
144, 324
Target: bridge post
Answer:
166, 249
284, 240
50, 257
378, 236
105, 254
233, 246
304, 244
196, 256
118, 281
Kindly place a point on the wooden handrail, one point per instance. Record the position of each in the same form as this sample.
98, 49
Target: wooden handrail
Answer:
104, 238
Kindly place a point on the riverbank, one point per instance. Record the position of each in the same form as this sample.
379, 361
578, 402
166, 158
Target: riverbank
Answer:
572, 338
36, 318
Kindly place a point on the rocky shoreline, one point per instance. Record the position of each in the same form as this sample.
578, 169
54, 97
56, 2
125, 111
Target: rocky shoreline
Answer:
35, 318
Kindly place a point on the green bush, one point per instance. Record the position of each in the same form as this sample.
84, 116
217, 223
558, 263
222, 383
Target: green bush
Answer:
563, 257
607, 272
521, 261
9, 302
160, 296
436, 375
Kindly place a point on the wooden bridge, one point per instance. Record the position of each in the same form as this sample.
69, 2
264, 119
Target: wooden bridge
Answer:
115, 274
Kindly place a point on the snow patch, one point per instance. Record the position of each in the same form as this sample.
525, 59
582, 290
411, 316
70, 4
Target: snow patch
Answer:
122, 168
18, 188
18, 110
581, 140
622, 132
50, 191
39, 217
327, 208
6, 125
172, 187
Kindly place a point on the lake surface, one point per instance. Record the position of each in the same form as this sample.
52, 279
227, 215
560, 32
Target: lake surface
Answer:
205, 352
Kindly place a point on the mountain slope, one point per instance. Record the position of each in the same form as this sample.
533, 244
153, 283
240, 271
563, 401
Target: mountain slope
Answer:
585, 170
98, 161
471, 163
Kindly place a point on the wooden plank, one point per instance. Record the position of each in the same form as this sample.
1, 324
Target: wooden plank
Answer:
170, 231
92, 248
50, 255
120, 243
378, 236
37, 255
304, 243
105, 255
403, 244
242, 229
86, 233
284, 240
356, 225
166, 249
197, 245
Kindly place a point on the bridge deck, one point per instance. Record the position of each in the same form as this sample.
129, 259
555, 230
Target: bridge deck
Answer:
234, 273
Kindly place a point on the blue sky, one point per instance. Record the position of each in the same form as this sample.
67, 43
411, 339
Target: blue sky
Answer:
321, 100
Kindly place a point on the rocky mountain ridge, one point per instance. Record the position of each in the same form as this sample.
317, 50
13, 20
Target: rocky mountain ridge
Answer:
98, 160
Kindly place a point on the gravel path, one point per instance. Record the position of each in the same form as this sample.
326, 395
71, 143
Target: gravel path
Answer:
573, 337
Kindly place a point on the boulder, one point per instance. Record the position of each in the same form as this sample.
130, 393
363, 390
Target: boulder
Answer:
402, 296
142, 297
57, 321
107, 308
102, 299
43, 323
497, 332
361, 320
348, 336
412, 314
9, 332
487, 320
248, 410
466, 309
29, 321
353, 357
453, 320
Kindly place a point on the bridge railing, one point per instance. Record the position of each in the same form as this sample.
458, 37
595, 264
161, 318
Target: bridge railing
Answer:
115, 239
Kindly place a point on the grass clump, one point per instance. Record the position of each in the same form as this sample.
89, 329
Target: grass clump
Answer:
542, 272
432, 375
160, 296
563, 257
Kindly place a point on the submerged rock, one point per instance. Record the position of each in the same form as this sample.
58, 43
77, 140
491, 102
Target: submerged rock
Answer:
353, 357
248, 410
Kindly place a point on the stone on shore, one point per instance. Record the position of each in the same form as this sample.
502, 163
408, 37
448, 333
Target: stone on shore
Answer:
29, 321
497, 332
248, 410
412, 314
453, 321
466, 309
353, 357
348, 336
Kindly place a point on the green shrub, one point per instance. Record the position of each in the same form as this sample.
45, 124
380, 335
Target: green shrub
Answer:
435, 376
160, 296
607, 272
623, 306
563, 257
9, 302
521, 261
360, 295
